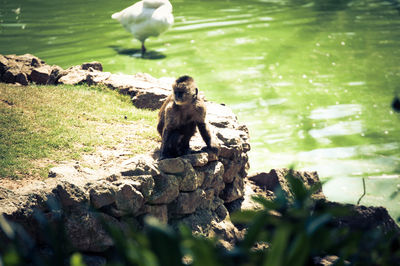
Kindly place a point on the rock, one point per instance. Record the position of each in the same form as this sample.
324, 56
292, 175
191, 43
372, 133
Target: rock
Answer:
55, 75
227, 152
197, 159
225, 230
119, 82
150, 99
277, 178
172, 166
221, 211
158, 211
187, 202
231, 169
207, 199
72, 76
127, 199
166, 189
221, 116
86, 232
362, 218
70, 195
139, 165
21, 78
213, 176
143, 183
3, 64
230, 137
233, 191
10, 75
94, 65
41, 75
189, 180
94, 78
102, 194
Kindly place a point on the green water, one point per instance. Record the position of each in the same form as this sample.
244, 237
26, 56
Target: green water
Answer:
313, 80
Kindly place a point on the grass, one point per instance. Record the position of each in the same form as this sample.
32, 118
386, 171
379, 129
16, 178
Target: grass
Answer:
43, 125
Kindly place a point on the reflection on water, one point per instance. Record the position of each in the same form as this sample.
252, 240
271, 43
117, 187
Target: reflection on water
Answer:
336, 111
312, 79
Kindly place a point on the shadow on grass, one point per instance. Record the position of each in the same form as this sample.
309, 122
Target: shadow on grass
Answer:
150, 55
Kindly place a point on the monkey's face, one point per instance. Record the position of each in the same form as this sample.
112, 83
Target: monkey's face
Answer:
184, 93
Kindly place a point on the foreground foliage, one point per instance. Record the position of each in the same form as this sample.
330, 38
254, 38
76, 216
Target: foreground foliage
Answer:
62, 122
286, 231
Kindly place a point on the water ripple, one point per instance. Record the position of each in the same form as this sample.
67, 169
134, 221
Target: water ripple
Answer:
336, 111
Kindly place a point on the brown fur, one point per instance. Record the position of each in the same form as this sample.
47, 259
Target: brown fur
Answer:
178, 118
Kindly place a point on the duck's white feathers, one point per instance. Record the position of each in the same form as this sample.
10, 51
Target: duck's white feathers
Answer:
146, 18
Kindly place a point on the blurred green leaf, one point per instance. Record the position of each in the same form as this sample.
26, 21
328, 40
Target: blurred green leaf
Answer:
317, 222
277, 252
77, 260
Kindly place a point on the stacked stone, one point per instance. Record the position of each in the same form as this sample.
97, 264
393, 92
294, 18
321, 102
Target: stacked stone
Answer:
188, 189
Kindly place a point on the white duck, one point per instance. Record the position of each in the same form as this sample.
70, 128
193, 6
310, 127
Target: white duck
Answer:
146, 18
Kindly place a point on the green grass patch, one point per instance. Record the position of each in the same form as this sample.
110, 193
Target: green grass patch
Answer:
63, 122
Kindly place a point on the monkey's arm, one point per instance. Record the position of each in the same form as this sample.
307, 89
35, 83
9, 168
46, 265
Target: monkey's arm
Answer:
160, 126
206, 135
164, 142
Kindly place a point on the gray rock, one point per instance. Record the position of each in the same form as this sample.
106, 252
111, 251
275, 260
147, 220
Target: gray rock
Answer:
213, 176
172, 166
96, 77
70, 195
166, 189
207, 198
233, 191
149, 99
41, 75
10, 75
139, 165
231, 170
221, 211
187, 202
158, 211
73, 75
55, 75
144, 183
197, 159
128, 199
102, 194
277, 178
86, 232
188, 181
93, 65
3, 64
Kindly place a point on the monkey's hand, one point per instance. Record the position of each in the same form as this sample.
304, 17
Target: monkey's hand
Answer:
211, 148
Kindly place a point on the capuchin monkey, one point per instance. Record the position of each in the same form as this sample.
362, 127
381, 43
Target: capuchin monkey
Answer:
178, 118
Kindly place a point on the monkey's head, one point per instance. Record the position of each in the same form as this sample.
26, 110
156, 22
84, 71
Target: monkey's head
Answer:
185, 90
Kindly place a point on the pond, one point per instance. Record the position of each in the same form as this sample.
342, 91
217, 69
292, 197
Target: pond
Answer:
312, 79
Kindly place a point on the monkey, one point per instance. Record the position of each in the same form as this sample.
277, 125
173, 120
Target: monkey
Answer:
178, 118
